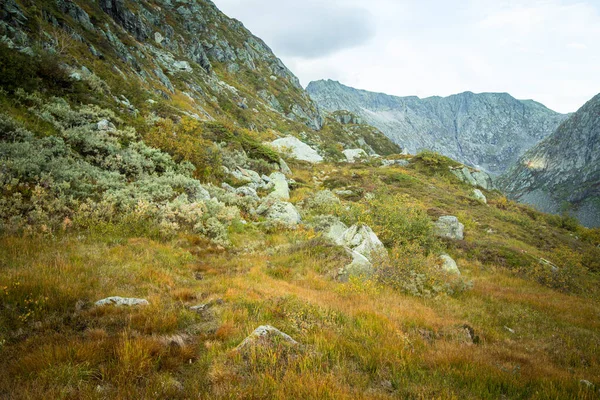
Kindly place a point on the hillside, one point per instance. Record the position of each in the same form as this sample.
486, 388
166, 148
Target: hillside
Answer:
488, 130
178, 220
562, 173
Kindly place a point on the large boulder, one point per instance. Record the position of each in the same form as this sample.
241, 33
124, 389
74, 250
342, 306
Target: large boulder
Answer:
297, 149
449, 227
362, 239
353, 155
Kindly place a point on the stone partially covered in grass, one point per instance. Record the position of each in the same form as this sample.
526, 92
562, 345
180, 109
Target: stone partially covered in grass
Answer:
266, 335
121, 301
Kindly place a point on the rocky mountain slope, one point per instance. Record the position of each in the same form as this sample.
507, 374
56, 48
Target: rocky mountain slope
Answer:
173, 59
488, 130
562, 173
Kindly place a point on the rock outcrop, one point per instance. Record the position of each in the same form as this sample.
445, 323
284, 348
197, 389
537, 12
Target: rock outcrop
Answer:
562, 173
488, 131
121, 301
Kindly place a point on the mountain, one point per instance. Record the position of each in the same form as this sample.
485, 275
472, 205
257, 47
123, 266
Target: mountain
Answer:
562, 173
489, 130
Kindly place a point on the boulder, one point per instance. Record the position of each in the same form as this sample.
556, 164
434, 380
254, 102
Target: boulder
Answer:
280, 211
360, 267
479, 196
284, 168
362, 239
266, 335
281, 190
247, 191
297, 148
248, 176
121, 301
449, 265
353, 155
449, 227
105, 126
390, 163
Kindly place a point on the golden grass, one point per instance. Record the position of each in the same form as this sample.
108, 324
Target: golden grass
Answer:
358, 340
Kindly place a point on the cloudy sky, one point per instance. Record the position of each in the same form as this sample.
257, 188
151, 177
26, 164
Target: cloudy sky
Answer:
546, 50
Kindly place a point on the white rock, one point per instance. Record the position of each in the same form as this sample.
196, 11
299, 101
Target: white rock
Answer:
449, 265
247, 191
360, 266
478, 194
121, 301
297, 149
353, 155
284, 168
158, 38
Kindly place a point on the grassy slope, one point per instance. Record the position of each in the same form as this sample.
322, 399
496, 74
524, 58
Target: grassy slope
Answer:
362, 340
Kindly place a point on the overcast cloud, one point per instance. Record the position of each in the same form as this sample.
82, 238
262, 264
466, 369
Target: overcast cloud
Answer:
546, 50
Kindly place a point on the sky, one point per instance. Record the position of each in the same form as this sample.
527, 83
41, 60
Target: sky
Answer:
545, 50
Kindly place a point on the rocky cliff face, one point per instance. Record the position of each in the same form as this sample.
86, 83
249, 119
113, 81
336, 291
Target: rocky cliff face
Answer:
562, 172
489, 131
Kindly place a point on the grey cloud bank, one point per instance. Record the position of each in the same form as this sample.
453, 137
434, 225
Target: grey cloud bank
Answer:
546, 50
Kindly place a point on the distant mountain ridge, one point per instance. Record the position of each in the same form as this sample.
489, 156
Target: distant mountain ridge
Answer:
562, 172
488, 130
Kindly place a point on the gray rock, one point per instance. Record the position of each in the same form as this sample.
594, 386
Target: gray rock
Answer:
265, 335
353, 155
297, 149
284, 168
449, 265
105, 126
183, 66
280, 211
449, 227
121, 301
479, 196
362, 239
488, 131
247, 191
359, 267
281, 190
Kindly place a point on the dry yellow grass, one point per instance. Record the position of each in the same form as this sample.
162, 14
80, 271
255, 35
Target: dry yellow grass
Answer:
361, 339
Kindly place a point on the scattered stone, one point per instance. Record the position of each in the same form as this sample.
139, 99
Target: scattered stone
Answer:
360, 267
449, 265
247, 191
476, 178
280, 211
265, 335
297, 148
281, 189
284, 168
510, 330
586, 383
121, 301
158, 38
449, 227
362, 239
353, 155
344, 192
106, 126
390, 163
479, 196
183, 66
